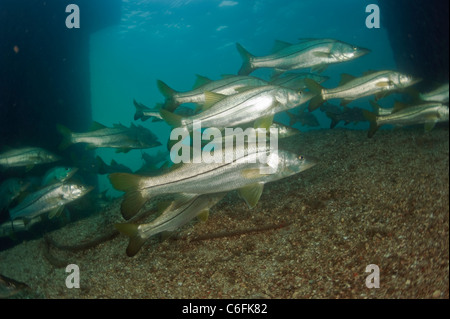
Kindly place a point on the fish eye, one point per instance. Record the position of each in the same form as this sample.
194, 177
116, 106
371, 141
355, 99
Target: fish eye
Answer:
301, 157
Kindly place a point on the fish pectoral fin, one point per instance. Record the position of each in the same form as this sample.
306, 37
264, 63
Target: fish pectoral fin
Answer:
56, 212
212, 98
429, 125
264, 122
200, 81
203, 215
251, 193
319, 68
29, 167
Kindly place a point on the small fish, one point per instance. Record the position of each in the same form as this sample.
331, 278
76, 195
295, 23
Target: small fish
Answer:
58, 174
228, 85
51, 198
27, 156
144, 113
170, 219
310, 53
348, 114
351, 88
296, 81
233, 110
120, 137
11, 189
427, 113
114, 167
198, 177
440, 94
10, 287
305, 119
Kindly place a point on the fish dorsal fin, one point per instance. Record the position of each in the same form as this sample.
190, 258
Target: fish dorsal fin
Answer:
251, 193
228, 76
118, 125
212, 98
369, 72
306, 39
200, 81
280, 45
264, 122
345, 78
96, 126
398, 106
203, 215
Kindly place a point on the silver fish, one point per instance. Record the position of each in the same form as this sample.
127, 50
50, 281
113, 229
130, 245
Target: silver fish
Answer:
120, 137
427, 113
170, 219
379, 83
310, 53
228, 85
243, 171
27, 156
234, 110
438, 95
144, 113
50, 198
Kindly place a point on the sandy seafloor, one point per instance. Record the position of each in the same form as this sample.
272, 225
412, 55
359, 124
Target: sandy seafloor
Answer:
382, 201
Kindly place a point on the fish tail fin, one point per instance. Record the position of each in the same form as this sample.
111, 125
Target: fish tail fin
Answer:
165, 90
372, 118
316, 89
124, 181
132, 231
67, 136
133, 199
246, 67
140, 108
333, 119
172, 119
168, 93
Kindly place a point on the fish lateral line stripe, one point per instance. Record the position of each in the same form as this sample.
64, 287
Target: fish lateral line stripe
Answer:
231, 108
